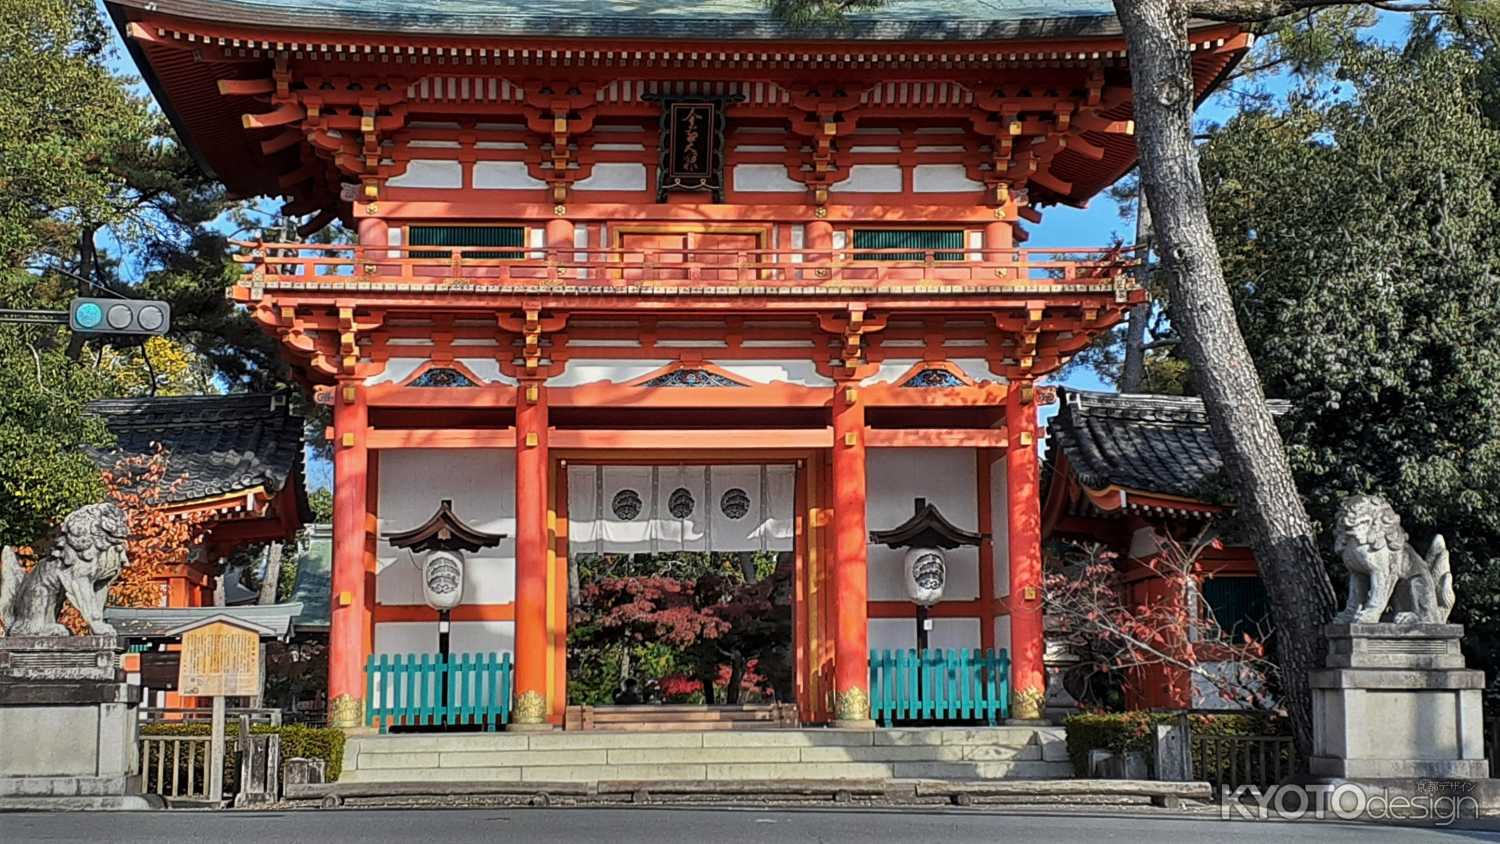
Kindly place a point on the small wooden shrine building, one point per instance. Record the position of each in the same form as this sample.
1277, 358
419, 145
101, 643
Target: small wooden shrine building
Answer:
235, 459
1125, 469
657, 276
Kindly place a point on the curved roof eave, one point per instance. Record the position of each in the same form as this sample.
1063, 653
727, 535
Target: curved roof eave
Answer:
712, 20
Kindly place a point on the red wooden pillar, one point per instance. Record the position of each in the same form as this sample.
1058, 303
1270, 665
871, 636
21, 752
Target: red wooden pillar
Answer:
1024, 517
531, 708
560, 238
350, 615
819, 244
374, 238
851, 650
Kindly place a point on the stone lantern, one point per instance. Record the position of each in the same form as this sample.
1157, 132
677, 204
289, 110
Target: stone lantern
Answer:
926, 535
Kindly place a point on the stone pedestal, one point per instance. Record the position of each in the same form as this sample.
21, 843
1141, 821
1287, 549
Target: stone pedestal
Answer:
69, 725
1395, 702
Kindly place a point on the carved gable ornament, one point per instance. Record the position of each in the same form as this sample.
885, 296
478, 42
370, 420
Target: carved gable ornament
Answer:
692, 144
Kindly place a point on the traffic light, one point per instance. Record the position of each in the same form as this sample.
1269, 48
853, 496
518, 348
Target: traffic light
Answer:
119, 316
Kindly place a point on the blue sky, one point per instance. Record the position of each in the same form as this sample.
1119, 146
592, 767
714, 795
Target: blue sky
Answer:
1097, 224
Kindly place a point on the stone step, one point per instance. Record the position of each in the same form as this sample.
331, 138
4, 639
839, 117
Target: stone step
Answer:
470, 758
1015, 737
714, 772
804, 754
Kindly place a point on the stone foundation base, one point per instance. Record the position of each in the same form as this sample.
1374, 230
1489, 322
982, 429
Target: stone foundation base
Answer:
122, 803
67, 725
1413, 769
852, 724
543, 727
1395, 702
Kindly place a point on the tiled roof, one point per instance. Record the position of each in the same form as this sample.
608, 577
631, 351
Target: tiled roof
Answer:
907, 20
221, 444
156, 622
1145, 443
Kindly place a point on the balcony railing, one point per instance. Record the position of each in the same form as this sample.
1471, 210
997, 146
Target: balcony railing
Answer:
336, 264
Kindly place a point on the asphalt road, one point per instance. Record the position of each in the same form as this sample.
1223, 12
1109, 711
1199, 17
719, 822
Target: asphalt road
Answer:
702, 826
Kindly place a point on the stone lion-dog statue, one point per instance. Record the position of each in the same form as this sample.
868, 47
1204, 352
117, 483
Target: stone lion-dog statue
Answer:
1388, 579
86, 557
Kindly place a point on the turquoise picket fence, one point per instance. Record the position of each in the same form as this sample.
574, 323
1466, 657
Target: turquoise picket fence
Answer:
939, 685
419, 690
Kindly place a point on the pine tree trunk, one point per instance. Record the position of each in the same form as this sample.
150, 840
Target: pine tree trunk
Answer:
1201, 310
1133, 368
272, 579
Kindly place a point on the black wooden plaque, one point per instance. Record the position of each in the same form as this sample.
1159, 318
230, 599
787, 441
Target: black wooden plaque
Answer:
692, 144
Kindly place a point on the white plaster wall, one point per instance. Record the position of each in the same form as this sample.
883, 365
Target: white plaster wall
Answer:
406, 637
504, 175
482, 637
403, 637
614, 176
946, 477
899, 634
872, 178
396, 370
1002, 632
481, 483
428, 173
765, 177
943, 178
1000, 526
893, 368
804, 372
488, 369
588, 371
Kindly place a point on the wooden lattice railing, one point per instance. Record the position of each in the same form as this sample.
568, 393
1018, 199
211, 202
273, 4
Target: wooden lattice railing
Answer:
431, 689
336, 264
939, 685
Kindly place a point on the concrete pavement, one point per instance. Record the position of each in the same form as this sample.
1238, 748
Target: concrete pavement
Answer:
1084, 824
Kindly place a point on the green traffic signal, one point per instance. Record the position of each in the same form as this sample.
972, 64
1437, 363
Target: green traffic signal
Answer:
88, 315
119, 316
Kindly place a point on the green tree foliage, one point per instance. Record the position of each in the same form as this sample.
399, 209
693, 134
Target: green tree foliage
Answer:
700, 620
321, 502
96, 194
44, 472
1360, 232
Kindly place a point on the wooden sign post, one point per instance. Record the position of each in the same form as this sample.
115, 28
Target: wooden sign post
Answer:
220, 658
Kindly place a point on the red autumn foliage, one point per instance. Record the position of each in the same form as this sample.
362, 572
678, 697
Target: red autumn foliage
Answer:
1177, 631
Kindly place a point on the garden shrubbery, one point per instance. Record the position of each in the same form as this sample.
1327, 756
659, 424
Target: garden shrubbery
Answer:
296, 741
1123, 732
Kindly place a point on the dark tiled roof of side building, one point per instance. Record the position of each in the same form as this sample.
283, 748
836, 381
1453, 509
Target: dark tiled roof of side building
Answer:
219, 444
1147, 443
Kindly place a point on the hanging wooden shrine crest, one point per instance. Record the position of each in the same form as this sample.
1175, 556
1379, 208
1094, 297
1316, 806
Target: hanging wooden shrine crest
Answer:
692, 144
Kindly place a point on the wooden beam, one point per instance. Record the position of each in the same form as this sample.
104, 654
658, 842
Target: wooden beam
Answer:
246, 87
936, 438
679, 439
285, 140
484, 397
383, 438
280, 116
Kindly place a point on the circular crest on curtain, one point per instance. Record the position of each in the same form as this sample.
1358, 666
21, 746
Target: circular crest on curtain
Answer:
735, 504
680, 503
626, 505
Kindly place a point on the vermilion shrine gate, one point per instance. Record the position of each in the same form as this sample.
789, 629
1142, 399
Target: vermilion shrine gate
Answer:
628, 280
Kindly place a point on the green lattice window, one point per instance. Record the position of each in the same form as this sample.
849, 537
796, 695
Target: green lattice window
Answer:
1239, 604
467, 236
945, 244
